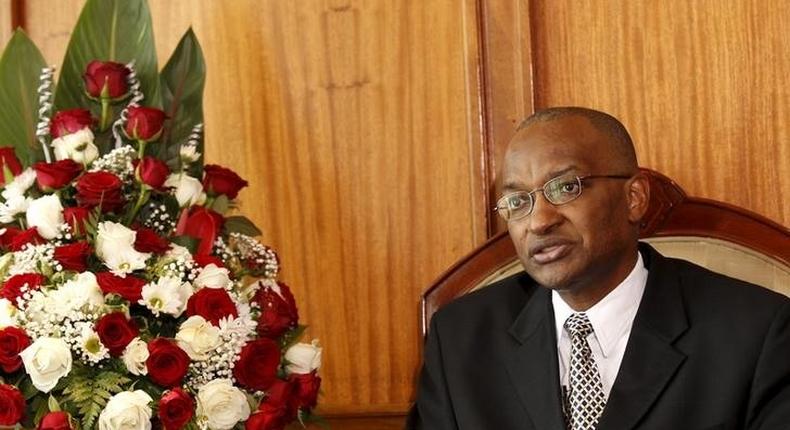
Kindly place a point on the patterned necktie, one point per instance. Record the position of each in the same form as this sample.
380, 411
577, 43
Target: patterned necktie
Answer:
585, 398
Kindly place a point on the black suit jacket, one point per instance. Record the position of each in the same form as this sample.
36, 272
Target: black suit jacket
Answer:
705, 352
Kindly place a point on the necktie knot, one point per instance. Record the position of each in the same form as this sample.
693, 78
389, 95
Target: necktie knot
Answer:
578, 325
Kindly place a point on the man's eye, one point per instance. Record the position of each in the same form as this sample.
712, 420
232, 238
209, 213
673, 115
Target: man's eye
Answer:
569, 187
517, 201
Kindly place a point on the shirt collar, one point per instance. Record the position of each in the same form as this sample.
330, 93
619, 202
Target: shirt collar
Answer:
611, 316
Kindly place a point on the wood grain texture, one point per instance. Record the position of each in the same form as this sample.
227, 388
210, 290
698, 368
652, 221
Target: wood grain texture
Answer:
702, 86
357, 124
5, 22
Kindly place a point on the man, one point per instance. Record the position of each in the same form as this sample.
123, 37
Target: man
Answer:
600, 332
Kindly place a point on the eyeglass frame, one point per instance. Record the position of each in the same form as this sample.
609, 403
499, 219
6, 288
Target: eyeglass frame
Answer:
579, 179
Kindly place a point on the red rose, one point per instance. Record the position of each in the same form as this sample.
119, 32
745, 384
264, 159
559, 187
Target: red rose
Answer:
29, 236
7, 236
203, 260
203, 224
100, 187
306, 388
176, 408
12, 288
53, 176
257, 365
76, 217
130, 287
212, 304
73, 256
106, 79
167, 363
277, 410
115, 332
8, 159
219, 180
58, 420
145, 123
69, 121
152, 172
12, 405
147, 240
13, 340
278, 310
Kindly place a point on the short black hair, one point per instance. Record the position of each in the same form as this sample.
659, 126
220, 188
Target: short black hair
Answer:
609, 125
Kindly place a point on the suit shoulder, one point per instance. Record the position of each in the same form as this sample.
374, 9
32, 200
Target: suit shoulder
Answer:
503, 298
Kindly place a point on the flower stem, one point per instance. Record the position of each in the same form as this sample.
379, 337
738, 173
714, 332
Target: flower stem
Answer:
104, 122
140, 148
141, 199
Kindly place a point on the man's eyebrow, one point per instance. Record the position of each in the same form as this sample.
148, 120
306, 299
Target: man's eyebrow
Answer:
518, 185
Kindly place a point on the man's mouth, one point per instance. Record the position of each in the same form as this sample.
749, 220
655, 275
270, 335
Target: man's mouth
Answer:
549, 252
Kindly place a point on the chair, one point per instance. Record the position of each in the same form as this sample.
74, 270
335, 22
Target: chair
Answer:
716, 235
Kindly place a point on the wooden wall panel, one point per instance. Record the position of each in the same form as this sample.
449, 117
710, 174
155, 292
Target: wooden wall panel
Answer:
357, 124
5, 22
702, 86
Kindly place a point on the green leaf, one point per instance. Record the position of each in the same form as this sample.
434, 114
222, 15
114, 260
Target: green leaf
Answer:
109, 30
53, 404
241, 224
182, 82
220, 204
187, 242
20, 68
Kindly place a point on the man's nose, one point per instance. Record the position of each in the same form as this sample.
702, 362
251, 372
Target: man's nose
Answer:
544, 216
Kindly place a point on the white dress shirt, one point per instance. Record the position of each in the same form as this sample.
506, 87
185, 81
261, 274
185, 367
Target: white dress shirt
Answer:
611, 319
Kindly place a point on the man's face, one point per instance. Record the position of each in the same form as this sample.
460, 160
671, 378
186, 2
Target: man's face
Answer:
589, 242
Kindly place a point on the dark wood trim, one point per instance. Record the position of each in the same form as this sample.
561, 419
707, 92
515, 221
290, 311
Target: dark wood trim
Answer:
18, 14
484, 101
671, 213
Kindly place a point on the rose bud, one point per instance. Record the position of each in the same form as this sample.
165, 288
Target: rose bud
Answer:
268, 417
152, 172
54, 176
116, 332
69, 121
13, 340
9, 164
167, 363
219, 180
57, 420
203, 224
29, 236
278, 310
13, 286
94, 188
212, 304
12, 405
73, 256
306, 391
106, 79
257, 365
129, 288
144, 123
176, 408
76, 218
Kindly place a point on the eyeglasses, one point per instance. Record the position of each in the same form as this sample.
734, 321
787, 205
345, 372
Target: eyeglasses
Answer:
557, 191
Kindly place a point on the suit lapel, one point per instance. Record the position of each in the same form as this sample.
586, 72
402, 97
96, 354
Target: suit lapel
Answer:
650, 360
532, 362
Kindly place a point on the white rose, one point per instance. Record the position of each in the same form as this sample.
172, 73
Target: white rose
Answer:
222, 404
46, 215
189, 190
46, 361
77, 293
135, 356
167, 295
198, 337
7, 314
213, 277
78, 146
303, 357
178, 252
115, 247
128, 410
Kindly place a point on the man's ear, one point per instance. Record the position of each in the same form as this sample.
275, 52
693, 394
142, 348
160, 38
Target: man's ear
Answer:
638, 196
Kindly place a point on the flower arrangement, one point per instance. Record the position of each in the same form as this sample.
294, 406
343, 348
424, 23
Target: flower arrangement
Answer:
130, 298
